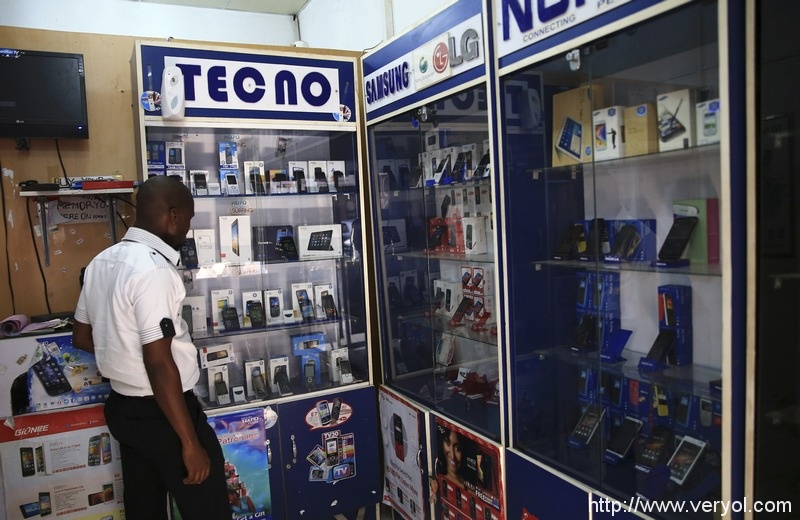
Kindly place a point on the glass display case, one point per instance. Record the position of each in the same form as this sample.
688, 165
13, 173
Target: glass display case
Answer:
613, 186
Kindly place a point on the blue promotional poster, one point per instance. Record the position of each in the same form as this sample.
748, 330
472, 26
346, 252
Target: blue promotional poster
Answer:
243, 440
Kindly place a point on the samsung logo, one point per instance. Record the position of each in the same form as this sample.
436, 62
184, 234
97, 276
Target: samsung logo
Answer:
390, 81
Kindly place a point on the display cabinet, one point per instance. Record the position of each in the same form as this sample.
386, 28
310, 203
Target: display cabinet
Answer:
615, 193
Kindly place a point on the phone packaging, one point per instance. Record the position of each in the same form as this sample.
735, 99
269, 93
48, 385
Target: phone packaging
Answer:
235, 239
452, 295
435, 139
254, 173
676, 120
249, 366
279, 182
334, 355
195, 190
156, 157
675, 313
220, 298
703, 247
319, 241
316, 185
394, 235
228, 154
608, 133
572, 124
218, 385
309, 291
273, 307
707, 122
217, 355
641, 130
335, 184
206, 244
176, 159
198, 305
471, 158
249, 296
277, 364
320, 291
230, 182
629, 246
474, 235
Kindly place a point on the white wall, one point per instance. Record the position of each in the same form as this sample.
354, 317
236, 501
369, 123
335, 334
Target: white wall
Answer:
148, 20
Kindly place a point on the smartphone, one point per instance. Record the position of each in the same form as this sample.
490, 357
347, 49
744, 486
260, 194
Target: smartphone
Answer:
461, 310
105, 448
309, 374
221, 389
585, 333
468, 238
256, 181
94, 450
481, 170
259, 385
653, 449
682, 405
582, 281
436, 236
274, 307
622, 440
51, 376
256, 314
287, 248
598, 242
590, 419
230, 318
669, 126
321, 179
569, 139
337, 407
399, 438
626, 240
445, 205
200, 184
324, 412
684, 459
329, 306
235, 236
662, 345
660, 402
232, 181
706, 412
345, 372
39, 455
27, 462
442, 171
281, 379
45, 507
299, 175
304, 302
438, 299
332, 451
477, 278
677, 239
459, 167
188, 254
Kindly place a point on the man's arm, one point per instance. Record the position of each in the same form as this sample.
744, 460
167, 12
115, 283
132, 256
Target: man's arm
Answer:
82, 337
168, 392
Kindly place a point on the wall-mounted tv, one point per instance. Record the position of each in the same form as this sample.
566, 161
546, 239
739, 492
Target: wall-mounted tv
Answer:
42, 94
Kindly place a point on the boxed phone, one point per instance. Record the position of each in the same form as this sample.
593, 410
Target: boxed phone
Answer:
206, 244
302, 293
218, 385
248, 297
278, 365
278, 181
234, 239
216, 355
320, 311
707, 122
319, 241
471, 158
641, 130
427, 160
388, 167
220, 298
474, 235
176, 159
156, 155
228, 154
675, 120
334, 357
254, 181
198, 307
435, 139
394, 235
273, 308
703, 247
198, 182
297, 173
336, 176
230, 182
675, 314
317, 177
452, 294
608, 126
179, 175
632, 241
257, 366
572, 123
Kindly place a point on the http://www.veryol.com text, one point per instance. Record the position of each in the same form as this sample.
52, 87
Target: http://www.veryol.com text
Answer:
721, 507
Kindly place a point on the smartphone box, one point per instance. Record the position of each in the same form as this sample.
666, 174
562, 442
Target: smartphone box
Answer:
206, 243
228, 154
474, 235
703, 247
217, 355
336, 176
273, 309
453, 294
249, 297
220, 298
334, 355
317, 177
254, 180
198, 304
195, 177
156, 155
179, 175
641, 130
234, 239
572, 123
471, 158
435, 139
217, 376
394, 235
176, 159
675, 313
319, 241
297, 287
275, 365
320, 291
707, 122
278, 179
609, 133
676, 120
258, 365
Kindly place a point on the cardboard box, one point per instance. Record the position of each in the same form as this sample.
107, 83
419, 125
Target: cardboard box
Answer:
319, 241
234, 239
676, 120
474, 235
206, 243
609, 133
703, 247
197, 308
641, 130
176, 159
217, 355
707, 122
220, 298
572, 123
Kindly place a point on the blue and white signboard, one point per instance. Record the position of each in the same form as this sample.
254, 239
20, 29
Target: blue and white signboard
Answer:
226, 84
434, 56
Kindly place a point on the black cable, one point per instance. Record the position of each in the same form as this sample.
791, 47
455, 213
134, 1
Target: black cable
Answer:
8, 258
36, 251
61, 161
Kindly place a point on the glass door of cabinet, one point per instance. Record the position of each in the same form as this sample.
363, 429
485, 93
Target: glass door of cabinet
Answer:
611, 171
434, 233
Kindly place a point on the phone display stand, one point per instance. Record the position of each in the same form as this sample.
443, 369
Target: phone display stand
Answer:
612, 352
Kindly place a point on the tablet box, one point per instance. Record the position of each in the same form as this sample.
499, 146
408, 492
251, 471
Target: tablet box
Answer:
217, 355
234, 239
254, 171
228, 155
703, 247
302, 286
220, 298
609, 133
675, 313
206, 243
248, 376
273, 309
249, 296
572, 124
474, 235
319, 241
641, 130
274, 364
394, 235
156, 155
707, 122
676, 120
319, 292
176, 160
198, 306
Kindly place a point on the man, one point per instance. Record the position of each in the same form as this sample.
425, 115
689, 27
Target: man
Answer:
128, 315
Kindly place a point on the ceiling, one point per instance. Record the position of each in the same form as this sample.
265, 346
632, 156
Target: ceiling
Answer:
286, 7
